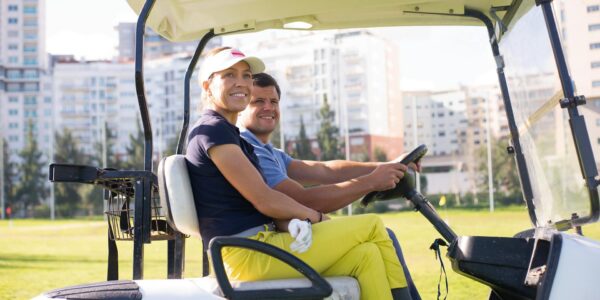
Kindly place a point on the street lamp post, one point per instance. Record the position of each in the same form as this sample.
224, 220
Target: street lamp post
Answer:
489, 155
415, 140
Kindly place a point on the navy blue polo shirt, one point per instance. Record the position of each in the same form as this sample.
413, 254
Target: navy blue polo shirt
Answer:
221, 209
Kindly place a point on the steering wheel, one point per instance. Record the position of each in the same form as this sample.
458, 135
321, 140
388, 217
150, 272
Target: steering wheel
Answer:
404, 185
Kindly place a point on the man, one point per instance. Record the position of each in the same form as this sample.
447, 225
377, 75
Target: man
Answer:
332, 184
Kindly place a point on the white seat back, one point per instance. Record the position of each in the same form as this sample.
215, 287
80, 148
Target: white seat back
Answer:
176, 195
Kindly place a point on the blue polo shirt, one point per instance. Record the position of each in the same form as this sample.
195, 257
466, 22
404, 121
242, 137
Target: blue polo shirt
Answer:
221, 209
273, 162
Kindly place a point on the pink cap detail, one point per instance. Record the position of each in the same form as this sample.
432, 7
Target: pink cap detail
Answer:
235, 52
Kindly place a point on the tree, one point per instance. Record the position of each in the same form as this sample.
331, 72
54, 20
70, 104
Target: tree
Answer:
68, 196
8, 176
504, 176
328, 135
112, 160
31, 188
380, 155
135, 150
303, 149
171, 146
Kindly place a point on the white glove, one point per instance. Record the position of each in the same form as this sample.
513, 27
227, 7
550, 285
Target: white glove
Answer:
302, 232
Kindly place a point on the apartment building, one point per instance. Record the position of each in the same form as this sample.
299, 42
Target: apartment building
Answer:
90, 94
455, 125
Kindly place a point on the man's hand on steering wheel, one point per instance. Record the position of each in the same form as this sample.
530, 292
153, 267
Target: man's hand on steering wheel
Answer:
416, 166
386, 176
412, 160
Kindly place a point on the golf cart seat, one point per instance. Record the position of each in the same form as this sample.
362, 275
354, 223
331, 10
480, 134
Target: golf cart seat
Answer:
178, 206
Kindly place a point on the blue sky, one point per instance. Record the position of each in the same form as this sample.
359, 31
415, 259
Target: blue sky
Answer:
430, 57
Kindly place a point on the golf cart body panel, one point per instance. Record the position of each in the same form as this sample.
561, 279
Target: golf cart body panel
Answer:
575, 262
205, 288
184, 20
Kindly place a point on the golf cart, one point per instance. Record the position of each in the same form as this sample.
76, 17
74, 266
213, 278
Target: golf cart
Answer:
549, 143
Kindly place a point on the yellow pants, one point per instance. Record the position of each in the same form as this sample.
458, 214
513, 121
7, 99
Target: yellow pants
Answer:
356, 246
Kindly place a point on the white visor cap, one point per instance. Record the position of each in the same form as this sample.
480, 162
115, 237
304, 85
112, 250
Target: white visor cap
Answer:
227, 58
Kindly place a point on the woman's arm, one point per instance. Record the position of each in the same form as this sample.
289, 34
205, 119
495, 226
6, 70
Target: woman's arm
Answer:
244, 177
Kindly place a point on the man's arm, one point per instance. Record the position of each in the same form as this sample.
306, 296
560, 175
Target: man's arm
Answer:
245, 178
328, 172
330, 197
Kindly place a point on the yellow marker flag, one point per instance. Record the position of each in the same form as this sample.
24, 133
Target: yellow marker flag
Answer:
442, 200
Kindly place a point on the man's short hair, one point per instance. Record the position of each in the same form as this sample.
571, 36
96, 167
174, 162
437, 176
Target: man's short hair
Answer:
266, 80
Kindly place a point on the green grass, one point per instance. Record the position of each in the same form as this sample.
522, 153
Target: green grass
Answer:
39, 255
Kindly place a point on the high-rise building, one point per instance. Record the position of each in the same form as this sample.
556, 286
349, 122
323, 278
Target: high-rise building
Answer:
356, 71
25, 87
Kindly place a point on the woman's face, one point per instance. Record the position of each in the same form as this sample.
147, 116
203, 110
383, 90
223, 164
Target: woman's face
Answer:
229, 90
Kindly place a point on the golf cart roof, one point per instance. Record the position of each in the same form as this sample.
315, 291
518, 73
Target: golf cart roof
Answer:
185, 20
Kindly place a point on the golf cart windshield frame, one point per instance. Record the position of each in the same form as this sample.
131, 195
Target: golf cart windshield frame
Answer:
577, 124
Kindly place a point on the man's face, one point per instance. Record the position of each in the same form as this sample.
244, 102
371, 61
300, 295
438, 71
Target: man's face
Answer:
262, 114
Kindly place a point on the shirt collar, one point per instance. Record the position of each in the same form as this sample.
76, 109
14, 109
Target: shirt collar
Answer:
213, 113
252, 138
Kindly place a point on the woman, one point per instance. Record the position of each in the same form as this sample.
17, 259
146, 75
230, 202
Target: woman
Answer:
232, 197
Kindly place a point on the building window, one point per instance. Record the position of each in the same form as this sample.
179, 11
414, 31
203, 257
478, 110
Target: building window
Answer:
595, 64
31, 74
47, 100
13, 33
30, 9
13, 59
30, 61
596, 83
593, 27
13, 74
29, 48
30, 100
13, 125
13, 138
13, 99
30, 22
593, 8
31, 87
13, 7
13, 112
13, 47
30, 113
594, 46
13, 21
31, 36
